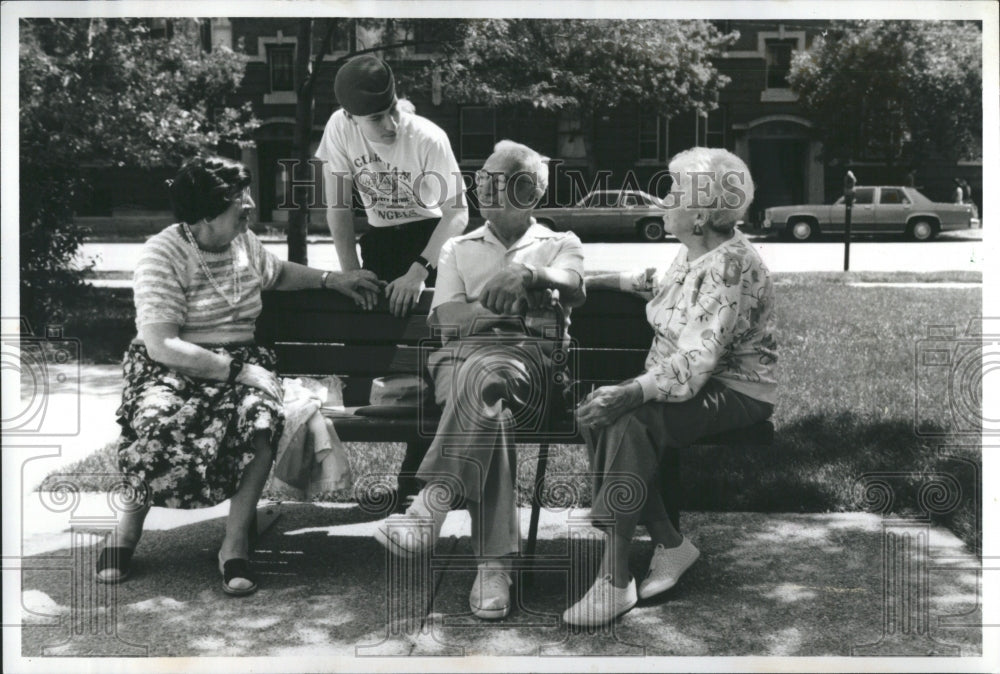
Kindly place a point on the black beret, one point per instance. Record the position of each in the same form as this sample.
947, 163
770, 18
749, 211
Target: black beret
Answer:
365, 85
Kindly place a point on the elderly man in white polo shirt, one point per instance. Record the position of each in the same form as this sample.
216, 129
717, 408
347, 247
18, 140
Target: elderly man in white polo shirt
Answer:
490, 307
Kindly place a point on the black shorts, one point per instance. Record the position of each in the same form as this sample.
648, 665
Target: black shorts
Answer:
389, 251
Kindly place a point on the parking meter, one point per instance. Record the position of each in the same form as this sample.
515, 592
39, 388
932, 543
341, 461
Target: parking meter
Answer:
849, 182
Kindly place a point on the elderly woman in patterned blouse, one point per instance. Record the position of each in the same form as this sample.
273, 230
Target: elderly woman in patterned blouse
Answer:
201, 408
711, 368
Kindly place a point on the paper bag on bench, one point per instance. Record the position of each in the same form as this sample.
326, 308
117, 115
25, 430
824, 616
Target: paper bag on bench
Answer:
310, 459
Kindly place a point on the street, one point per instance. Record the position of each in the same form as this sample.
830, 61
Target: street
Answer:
952, 251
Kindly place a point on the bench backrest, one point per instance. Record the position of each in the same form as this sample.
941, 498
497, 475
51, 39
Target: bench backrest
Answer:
318, 332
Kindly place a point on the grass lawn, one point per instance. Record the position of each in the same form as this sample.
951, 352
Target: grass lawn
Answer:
845, 420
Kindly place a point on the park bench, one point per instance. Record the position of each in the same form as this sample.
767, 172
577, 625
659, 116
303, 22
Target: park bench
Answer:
318, 333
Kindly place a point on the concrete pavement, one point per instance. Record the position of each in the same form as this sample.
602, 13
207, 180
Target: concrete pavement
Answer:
766, 585
73, 408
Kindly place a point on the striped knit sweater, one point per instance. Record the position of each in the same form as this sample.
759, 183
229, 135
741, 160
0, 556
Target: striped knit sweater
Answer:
170, 286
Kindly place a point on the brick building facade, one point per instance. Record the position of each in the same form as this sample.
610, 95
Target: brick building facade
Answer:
758, 117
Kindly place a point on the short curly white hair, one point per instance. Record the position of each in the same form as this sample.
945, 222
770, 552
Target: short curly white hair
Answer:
717, 180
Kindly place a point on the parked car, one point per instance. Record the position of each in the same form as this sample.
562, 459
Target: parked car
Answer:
616, 212
877, 210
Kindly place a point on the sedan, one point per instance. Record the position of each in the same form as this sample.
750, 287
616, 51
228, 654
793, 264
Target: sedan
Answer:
616, 212
876, 210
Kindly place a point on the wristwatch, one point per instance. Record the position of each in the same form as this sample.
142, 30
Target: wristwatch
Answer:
534, 273
425, 263
235, 367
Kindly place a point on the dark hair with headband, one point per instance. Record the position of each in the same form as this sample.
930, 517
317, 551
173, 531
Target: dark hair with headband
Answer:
205, 186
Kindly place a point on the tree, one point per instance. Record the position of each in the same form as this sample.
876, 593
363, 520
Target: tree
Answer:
307, 66
111, 92
585, 65
899, 92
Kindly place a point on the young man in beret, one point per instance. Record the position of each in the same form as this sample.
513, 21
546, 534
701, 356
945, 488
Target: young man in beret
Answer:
406, 174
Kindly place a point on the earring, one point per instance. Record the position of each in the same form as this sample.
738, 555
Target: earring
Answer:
696, 230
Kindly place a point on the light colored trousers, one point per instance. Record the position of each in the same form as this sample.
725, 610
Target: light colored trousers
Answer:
487, 388
626, 456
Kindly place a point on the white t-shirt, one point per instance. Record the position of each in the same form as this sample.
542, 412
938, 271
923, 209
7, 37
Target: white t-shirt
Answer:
398, 183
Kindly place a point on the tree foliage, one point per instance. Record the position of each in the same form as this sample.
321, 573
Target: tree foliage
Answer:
900, 92
585, 65
108, 92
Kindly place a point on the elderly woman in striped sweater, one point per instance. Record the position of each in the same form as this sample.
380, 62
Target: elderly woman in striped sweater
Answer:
201, 408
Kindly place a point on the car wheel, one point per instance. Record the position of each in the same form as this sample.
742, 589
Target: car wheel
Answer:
651, 230
922, 230
801, 230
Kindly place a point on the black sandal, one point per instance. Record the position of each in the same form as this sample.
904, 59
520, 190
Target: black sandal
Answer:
237, 568
117, 558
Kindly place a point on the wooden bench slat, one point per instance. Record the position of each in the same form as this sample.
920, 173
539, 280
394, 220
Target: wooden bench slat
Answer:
603, 304
612, 333
607, 364
310, 326
341, 359
332, 302
373, 429
587, 365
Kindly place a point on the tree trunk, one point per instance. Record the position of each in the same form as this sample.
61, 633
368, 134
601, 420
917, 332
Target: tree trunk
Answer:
587, 131
298, 220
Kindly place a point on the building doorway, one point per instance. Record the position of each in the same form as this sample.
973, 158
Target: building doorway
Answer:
780, 170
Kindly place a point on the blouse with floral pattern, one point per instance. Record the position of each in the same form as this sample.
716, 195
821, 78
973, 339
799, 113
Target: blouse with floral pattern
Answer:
711, 317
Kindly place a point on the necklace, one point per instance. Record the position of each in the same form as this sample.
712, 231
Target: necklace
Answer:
237, 286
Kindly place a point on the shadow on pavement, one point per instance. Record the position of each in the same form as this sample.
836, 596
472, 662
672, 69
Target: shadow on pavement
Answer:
766, 584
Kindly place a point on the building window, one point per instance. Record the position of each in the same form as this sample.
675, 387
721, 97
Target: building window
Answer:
426, 37
281, 64
652, 132
778, 61
570, 139
682, 132
715, 131
342, 36
205, 34
161, 28
477, 124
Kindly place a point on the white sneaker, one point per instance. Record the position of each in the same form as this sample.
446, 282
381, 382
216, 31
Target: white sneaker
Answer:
666, 568
602, 604
409, 534
490, 595
406, 534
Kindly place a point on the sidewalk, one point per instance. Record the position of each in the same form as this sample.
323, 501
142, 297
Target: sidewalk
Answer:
76, 415
766, 584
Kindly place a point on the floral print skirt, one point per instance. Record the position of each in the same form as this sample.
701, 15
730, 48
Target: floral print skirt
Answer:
185, 441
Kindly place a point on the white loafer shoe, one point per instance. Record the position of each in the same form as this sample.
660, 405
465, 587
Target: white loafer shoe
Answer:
602, 604
407, 535
490, 596
666, 568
